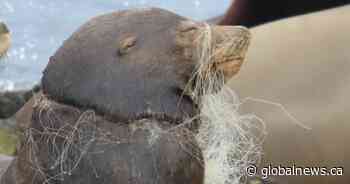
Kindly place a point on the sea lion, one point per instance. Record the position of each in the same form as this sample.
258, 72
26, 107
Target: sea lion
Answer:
116, 97
302, 64
5, 39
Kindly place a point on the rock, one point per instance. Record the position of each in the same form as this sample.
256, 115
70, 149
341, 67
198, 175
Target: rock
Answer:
4, 163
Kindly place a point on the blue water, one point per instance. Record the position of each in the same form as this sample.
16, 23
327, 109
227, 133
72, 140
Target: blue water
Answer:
39, 27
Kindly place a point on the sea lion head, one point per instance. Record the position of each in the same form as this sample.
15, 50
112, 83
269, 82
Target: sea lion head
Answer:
130, 63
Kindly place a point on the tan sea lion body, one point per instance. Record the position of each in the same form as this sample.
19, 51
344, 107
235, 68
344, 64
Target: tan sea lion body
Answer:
302, 63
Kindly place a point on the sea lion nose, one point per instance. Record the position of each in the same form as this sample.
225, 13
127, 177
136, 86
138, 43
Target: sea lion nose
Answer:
231, 45
217, 51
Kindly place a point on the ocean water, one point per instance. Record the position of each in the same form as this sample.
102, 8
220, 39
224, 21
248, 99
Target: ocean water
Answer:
39, 27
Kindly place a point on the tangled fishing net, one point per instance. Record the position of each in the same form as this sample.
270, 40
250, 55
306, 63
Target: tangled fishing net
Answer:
229, 140
63, 142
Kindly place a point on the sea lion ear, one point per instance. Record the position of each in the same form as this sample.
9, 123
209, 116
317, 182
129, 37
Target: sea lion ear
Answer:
230, 45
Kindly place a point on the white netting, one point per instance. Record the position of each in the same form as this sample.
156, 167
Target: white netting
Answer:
229, 141
66, 142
